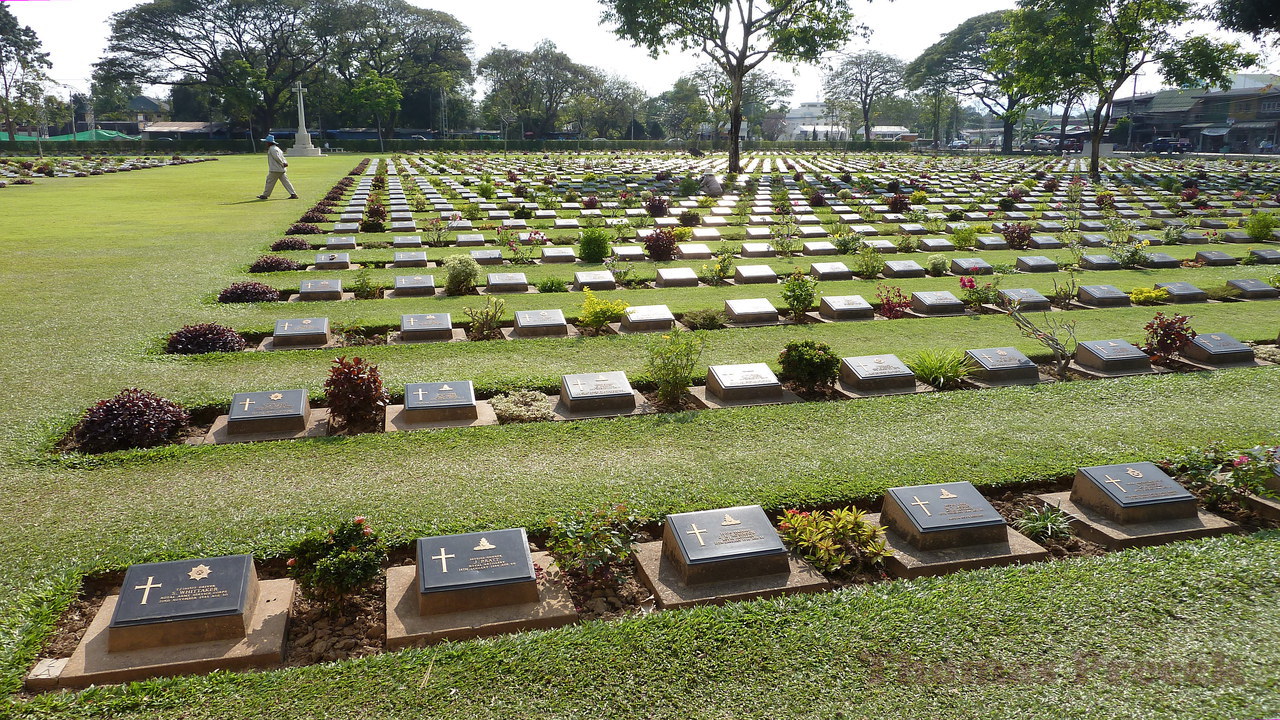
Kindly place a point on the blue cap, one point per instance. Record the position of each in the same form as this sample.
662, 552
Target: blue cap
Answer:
269, 139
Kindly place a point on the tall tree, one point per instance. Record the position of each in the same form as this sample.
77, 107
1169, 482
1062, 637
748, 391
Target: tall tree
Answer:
681, 109
760, 91
1093, 47
378, 95
959, 61
533, 85
21, 70
861, 80
736, 35
1255, 17
162, 42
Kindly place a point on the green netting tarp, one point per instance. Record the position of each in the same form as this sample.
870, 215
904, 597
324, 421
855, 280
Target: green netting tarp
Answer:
86, 136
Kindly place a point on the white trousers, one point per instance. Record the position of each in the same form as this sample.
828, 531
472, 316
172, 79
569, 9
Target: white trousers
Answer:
273, 178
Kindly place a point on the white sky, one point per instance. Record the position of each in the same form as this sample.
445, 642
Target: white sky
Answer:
74, 32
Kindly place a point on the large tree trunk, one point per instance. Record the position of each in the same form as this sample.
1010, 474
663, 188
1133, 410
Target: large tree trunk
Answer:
1062, 131
1095, 140
1006, 141
9, 127
735, 122
866, 123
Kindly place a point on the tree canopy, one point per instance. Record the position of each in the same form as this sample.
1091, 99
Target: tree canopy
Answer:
21, 72
860, 80
736, 35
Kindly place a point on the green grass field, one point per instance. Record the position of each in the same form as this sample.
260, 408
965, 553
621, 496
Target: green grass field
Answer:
102, 268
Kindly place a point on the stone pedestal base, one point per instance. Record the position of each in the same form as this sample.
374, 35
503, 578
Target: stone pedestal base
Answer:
317, 426
708, 401
660, 575
396, 419
407, 628
1095, 527
909, 562
91, 664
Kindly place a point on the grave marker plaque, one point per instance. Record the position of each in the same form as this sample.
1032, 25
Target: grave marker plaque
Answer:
1215, 258
1111, 356
506, 282
748, 381
1003, 365
1218, 349
648, 318
1036, 263
430, 326
1102, 296
268, 411
594, 280
1133, 493
751, 310
301, 331
593, 392
723, 544
832, 271
845, 307
1254, 289
877, 373
438, 401
901, 269
971, 266
936, 302
184, 601
1183, 292
945, 515
410, 259
332, 261
311, 290
531, 323
1028, 300
474, 570
415, 285
754, 274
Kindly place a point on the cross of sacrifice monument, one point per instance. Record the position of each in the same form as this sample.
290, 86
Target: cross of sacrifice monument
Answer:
302, 147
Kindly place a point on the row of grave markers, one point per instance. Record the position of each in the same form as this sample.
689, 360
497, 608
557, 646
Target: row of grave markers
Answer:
197, 615
286, 414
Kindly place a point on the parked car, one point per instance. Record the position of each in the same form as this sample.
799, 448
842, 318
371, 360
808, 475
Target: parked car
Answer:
958, 145
1073, 145
1037, 144
1168, 145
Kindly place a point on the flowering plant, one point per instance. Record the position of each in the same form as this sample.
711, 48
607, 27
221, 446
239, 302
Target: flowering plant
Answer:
833, 540
330, 564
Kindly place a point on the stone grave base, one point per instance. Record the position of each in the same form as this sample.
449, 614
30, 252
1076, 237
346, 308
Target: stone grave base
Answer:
393, 266
981, 384
317, 426
619, 330
855, 393
352, 266
1077, 305
1002, 310
397, 422
660, 576
909, 562
818, 317
914, 314
1220, 366
483, 290
705, 400
407, 628
1096, 528
393, 295
1266, 507
459, 335
296, 298
561, 409
268, 344
510, 334
760, 323
91, 664
1103, 374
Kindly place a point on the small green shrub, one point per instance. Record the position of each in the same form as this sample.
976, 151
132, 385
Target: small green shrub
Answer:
1260, 225
868, 263
672, 357
486, 322
689, 218
965, 237
363, 286
809, 363
689, 186
329, 564
937, 265
943, 369
719, 269
847, 243
1046, 523
462, 273
798, 292
597, 545
707, 319
919, 197
522, 406
594, 245
1221, 476
597, 312
834, 540
1148, 296
552, 285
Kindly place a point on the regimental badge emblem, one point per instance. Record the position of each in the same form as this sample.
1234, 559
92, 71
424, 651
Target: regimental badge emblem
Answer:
306, 322
277, 396
200, 572
445, 388
1002, 353
484, 545
947, 495
1134, 473
729, 520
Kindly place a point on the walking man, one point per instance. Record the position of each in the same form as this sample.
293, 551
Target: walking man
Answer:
276, 165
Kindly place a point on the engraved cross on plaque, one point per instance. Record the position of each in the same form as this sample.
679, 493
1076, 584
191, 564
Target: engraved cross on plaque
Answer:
1115, 482
697, 533
442, 557
921, 504
247, 403
146, 589
420, 392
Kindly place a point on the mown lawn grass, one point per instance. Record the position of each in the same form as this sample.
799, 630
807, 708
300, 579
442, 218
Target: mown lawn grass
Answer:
102, 267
